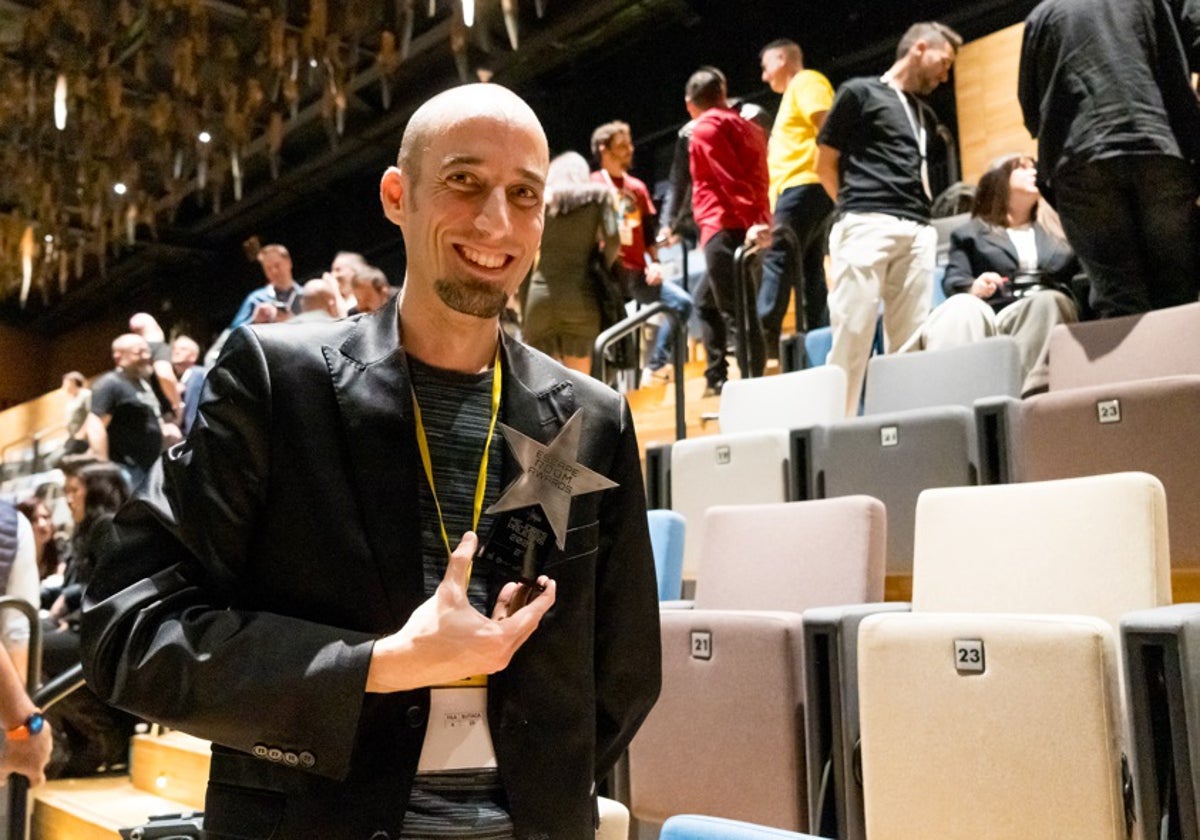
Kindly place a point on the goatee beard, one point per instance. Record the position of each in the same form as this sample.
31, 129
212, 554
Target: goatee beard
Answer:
471, 297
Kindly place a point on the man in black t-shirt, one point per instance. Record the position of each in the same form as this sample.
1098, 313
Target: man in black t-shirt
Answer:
1105, 87
871, 159
125, 424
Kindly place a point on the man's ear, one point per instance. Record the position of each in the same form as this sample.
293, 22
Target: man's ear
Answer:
391, 195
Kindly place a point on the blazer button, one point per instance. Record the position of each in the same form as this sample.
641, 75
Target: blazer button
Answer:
260, 750
291, 759
415, 716
307, 759
381, 835
275, 754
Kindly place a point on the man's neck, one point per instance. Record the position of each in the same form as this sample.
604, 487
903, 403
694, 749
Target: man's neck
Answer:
446, 339
285, 286
613, 169
900, 75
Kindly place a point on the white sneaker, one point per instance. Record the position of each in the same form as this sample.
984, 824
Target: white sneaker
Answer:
658, 376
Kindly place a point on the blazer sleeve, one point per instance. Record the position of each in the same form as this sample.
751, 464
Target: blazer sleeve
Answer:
164, 634
959, 271
628, 647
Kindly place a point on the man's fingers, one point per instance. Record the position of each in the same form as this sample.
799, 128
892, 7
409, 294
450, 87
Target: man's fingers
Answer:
458, 570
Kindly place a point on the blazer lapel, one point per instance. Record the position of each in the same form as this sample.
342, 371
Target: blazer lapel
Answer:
999, 239
537, 401
371, 380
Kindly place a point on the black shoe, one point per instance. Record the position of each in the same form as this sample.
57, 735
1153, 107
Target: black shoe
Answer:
714, 390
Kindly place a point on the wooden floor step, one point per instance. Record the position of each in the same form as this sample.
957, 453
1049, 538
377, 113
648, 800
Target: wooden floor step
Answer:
174, 765
94, 809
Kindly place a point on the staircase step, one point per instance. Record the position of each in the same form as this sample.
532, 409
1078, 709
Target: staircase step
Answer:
94, 809
173, 765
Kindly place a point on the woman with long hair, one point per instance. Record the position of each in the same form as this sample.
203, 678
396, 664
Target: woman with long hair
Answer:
89, 736
1008, 273
38, 514
561, 312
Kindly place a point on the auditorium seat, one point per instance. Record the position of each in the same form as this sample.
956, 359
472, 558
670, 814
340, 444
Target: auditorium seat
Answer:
1165, 342
1162, 675
748, 462
991, 727
726, 736
1147, 425
793, 400
917, 432
614, 820
1091, 546
953, 376
694, 827
747, 468
667, 530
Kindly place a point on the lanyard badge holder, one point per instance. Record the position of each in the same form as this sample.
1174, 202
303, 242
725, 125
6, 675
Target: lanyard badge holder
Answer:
532, 516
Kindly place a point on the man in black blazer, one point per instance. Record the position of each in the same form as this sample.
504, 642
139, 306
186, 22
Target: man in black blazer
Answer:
269, 589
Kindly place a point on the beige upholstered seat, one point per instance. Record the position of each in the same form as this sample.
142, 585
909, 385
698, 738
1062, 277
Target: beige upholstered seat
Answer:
1029, 747
614, 820
1095, 546
726, 737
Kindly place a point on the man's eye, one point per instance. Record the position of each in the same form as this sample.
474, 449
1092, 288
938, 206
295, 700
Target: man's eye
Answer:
526, 195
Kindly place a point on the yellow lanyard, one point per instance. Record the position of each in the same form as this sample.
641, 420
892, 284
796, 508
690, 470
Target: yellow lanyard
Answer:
481, 481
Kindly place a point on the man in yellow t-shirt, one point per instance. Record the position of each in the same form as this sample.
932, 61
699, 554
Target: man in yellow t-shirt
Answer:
797, 198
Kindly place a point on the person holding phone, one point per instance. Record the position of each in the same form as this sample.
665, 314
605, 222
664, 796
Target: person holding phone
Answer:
300, 581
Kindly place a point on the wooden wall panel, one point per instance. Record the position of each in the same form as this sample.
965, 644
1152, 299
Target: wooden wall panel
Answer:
985, 87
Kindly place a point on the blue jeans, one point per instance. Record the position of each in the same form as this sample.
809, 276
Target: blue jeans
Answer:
681, 302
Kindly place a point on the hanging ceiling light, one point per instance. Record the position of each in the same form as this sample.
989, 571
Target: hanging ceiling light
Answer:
60, 102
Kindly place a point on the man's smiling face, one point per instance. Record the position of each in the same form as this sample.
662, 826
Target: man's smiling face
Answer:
472, 214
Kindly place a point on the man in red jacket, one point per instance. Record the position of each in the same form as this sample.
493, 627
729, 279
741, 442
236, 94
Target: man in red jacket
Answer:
728, 162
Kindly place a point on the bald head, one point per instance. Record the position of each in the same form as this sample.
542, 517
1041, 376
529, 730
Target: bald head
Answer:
131, 354
458, 105
143, 324
317, 296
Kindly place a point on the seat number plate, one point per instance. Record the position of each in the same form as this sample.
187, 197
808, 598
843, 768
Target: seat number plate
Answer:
701, 644
1108, 411
968, 656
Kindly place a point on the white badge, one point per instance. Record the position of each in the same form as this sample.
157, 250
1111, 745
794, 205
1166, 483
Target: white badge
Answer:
458, 737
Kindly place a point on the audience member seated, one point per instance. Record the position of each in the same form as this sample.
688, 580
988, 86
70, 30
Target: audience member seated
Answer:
281, 290
1007, 275
561, 310
88, 734
185, 358
371, 289
46, 548
345, 266
318, 302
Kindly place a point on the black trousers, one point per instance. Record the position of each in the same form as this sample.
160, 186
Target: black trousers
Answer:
715, 302
803, 210
1132, 220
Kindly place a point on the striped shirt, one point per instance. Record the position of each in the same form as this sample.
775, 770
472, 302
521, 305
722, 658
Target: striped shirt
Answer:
455, 410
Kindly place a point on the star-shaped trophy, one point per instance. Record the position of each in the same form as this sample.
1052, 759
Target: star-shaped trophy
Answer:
538, 503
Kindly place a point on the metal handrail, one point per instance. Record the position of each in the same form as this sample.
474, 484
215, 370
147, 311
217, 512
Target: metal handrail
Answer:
629, 326
743, 308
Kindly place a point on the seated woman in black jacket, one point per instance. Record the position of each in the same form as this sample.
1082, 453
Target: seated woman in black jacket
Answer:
1007, 275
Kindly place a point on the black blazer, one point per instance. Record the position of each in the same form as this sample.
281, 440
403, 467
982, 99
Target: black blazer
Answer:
239, 596
977, 247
